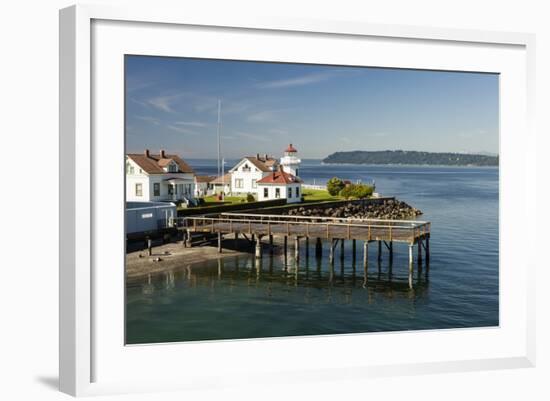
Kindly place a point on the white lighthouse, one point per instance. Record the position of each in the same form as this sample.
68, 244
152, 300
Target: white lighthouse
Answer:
290, 162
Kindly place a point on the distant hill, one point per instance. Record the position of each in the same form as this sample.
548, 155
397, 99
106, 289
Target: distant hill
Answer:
410, 157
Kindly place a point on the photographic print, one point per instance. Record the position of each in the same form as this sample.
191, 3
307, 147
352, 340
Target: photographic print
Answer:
270, 199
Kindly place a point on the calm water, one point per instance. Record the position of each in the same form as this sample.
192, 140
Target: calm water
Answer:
239, 298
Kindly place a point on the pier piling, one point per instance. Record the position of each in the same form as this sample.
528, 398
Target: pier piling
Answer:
410, 264
297, 248
331, 252
149, 246
342, 253
419, 246
318, 248
427, 242
365, 257
189, 243
379, 251
353, 249
258, 247
219, 242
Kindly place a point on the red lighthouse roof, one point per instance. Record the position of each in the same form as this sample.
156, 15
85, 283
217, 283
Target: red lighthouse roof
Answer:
279, 177
291, 149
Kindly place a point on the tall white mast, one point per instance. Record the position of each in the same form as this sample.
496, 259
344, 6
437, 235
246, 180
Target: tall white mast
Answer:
219, 139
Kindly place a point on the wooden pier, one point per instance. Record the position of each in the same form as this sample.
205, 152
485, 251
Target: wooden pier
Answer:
336, 230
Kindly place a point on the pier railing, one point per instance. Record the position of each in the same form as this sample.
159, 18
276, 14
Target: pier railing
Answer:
311, 226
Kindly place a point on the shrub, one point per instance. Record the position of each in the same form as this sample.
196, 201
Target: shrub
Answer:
335, 185
358, 191
250, 198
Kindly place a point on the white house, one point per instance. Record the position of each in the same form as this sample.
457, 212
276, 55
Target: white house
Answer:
203, 185
246, 174
280, 184
162, 177
221, 184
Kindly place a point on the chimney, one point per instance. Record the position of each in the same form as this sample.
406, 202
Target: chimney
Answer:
162, 154
265, 156
281, 168
258, 156
146, 153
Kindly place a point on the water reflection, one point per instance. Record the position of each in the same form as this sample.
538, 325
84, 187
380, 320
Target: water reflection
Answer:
237, 272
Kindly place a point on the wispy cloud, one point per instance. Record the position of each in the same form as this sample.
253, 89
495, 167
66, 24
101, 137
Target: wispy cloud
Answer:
307, 79
164, 103
254, 137
265, 116
261, 116
135, 84
181, 130
197, 124
278, 131
149, 119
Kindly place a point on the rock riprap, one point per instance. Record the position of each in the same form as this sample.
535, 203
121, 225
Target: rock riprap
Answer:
388, 209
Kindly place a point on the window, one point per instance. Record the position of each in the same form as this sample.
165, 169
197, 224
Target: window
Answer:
254, 184
139, 190
172, 168
296, 173
238, 182
246, 168
290, 192
277, 192
170, 189
297, 192
156, 189
129, 168
266, 193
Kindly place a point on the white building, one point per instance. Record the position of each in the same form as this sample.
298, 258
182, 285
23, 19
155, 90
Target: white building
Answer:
290, 162
221, 184
203, 185
162, 177
246, 174
280, 184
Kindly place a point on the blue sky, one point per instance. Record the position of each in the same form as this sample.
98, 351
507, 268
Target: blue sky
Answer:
171, 103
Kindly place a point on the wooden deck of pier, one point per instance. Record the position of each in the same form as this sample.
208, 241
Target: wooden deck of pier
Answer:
254, 227
408, 231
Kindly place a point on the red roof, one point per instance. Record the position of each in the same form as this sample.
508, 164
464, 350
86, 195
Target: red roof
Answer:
291, 149
279, 177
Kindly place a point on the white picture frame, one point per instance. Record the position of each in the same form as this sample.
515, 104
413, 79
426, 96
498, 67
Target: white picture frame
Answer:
91, 361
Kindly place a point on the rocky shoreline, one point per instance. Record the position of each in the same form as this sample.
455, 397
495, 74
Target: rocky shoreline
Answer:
388, 209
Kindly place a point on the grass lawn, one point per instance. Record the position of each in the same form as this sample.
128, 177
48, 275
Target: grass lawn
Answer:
213, 200
318, 195
310, 195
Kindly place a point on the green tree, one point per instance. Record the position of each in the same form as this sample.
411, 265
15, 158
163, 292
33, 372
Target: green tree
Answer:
358, 191
250, 198
335, 185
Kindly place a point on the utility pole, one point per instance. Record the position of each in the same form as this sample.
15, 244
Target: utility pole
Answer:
219, 139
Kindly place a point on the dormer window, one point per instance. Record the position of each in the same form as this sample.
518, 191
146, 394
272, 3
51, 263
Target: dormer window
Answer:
172, 168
